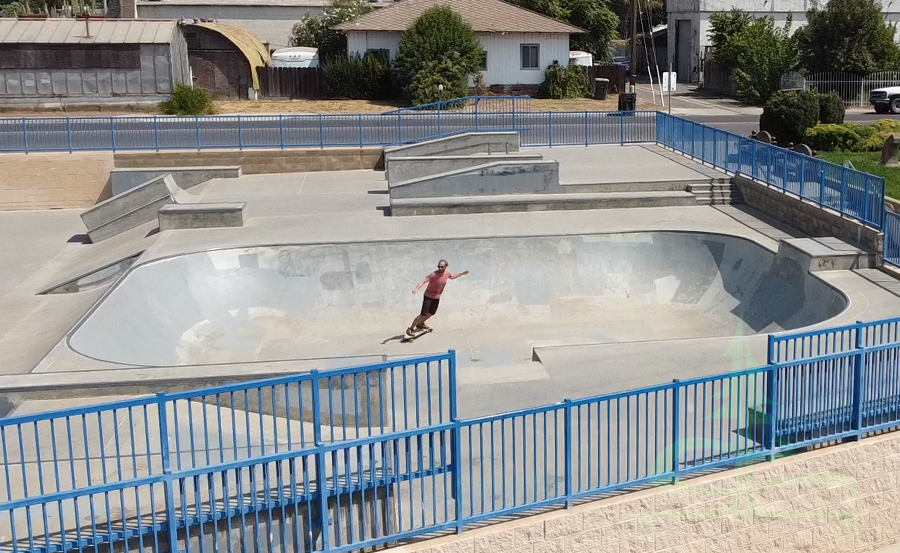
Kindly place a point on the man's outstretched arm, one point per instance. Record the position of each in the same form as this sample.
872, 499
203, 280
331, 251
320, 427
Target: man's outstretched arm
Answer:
420, 285
457, 275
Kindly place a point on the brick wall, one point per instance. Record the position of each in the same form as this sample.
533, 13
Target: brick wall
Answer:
843, 499
259, 161
807, 217
54, 180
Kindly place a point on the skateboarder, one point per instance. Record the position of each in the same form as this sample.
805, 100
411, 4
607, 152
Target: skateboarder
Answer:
436, 282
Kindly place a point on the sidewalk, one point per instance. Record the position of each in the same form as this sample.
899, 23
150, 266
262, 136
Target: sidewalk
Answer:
688, 100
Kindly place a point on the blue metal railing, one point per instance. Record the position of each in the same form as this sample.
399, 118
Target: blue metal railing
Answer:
431, 471
891, 238
847, 191
317, 131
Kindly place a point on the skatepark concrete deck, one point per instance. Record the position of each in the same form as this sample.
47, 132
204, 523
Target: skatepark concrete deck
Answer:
348, 207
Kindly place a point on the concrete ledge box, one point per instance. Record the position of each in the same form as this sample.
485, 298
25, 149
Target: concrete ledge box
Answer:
496, 178
124, 179
401, 169
192, 216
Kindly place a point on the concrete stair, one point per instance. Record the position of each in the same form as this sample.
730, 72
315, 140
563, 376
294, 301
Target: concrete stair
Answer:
718, 192
539, 202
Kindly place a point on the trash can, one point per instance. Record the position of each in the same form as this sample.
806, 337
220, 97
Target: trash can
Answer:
601, 89
627, 101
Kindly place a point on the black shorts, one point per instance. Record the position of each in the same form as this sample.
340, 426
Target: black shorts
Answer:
429, 306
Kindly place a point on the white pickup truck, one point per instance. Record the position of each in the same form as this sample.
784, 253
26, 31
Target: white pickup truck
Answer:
886, 99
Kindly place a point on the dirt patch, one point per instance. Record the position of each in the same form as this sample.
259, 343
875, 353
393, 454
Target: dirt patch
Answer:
316, 106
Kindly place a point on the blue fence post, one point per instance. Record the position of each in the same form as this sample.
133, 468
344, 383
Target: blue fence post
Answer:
865, 216
858, 368
476, 115
703, 144
801, 176
621, 128
166, 461
753, 159
514, 115
25, 134
197, 124
586, 128
321, 131
768, 164
69, 132
360, 131
399, 128
567, 453
240, 134
456, 475
281, 131
156, 133
822, 184
321, 463
550, 119
676, 434
439, 120
112, 134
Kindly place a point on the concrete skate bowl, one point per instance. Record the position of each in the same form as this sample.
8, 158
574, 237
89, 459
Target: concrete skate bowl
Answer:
314, 301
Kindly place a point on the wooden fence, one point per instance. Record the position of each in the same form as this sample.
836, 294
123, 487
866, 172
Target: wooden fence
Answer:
306, 83
717, 79
615, 73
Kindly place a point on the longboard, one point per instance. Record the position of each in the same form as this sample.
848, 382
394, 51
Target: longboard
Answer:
407, 338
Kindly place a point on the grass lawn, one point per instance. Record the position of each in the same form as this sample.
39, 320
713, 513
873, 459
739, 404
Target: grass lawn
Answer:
870, 162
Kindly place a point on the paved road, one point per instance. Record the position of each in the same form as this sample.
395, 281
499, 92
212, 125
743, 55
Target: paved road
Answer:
744, 124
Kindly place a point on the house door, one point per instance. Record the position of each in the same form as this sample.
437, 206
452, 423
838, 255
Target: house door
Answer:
683, 50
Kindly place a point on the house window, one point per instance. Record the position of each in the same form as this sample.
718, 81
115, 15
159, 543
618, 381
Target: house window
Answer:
484, 60
531, 56
381, 53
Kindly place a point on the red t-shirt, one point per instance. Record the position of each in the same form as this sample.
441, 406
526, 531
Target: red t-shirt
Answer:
436, 283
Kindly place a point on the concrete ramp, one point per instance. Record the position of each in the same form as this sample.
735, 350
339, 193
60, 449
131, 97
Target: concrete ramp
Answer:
456, 145
490, 179
399, 169
133, 208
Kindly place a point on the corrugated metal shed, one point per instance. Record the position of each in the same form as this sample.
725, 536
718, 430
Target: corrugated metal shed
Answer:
71, 31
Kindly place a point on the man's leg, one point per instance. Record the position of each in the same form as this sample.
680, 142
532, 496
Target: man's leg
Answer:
429, 307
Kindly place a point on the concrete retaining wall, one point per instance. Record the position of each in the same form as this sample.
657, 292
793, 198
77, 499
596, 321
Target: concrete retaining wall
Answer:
259, 161
460, 144
492, 179
837, 499
123, 180
807, 217
399, 169
54, 180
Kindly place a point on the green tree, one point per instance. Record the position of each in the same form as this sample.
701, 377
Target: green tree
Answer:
848, 35
12, 9
763, 53
594, 16
439, 48
318, 31
600, 22
722, 27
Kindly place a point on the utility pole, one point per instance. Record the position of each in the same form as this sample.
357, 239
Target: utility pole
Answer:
633, 65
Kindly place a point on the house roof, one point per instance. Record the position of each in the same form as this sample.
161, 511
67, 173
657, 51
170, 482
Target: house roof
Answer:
246, 3
71, 31
485, 16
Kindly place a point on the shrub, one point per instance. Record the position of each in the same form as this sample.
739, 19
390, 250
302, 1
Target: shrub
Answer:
564, 82
887, 125
359, 78
424, 88
831, 109
833, 137
481, 89
188, 100
787, 115
439, 46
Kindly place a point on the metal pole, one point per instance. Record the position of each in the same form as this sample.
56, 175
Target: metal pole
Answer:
633, 64
669, 86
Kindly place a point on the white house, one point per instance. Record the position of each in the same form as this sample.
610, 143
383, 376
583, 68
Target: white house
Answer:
688, 25
519, 44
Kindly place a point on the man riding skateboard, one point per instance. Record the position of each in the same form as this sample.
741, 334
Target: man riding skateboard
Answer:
436, 282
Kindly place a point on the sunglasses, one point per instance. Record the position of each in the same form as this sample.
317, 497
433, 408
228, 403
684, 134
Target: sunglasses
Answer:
442, 266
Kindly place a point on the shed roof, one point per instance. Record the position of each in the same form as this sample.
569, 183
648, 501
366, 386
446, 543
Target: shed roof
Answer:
71, 31
485, 16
